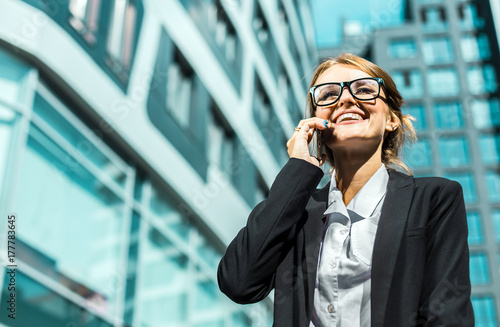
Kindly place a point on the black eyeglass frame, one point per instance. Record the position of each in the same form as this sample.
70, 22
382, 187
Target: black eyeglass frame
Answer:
379, 80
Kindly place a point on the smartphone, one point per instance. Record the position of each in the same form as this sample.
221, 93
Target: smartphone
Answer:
315, 145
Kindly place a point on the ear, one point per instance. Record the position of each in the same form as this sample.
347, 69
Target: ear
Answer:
393, 122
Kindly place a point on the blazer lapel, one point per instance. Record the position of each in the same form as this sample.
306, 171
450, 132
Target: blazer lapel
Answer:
313, 231
387, 241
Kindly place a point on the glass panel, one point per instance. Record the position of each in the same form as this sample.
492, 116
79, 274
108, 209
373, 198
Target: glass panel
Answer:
417, 111
164, 281
470, 18
434, 19
13, 78
475, 48
419, 155
438, 50
7, 120
484, 311
122, 33
490, 149
486, 112
495, 216
481, 79
453, 152
443, 82
85, 17
409, 83
87, 148
72, 229
400, 49
468, 186
493, 186
475, 228
479, 269
166, 210
448, 115
37, 305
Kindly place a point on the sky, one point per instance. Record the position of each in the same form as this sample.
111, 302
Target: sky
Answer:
328, 14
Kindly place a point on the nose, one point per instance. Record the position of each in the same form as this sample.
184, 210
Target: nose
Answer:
346, 97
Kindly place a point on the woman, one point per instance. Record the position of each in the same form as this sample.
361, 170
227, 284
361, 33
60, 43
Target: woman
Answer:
374, 247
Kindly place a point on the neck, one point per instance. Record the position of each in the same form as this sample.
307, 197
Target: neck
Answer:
352, 173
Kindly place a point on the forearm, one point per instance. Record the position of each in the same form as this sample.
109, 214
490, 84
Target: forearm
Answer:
246, 272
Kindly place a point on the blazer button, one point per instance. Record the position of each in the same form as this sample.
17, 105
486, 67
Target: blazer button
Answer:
330, 308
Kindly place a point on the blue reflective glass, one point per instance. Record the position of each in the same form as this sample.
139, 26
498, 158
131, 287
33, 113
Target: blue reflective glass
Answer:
74, 220
479, 269
37, 305
493, 186
495, 216
409, 83
453, 152
404, 48
475, 48
484, 311
417, 111
482, 79
437, 50
489, 146
419, 155
470, 18
485, 112
468, 184
448, 115
434, 19
475, 228
443, 82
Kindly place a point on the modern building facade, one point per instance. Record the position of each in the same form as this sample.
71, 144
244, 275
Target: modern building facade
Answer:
445, 60
135, 137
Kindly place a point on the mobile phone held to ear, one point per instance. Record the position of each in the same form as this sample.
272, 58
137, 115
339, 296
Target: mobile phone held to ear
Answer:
315, 145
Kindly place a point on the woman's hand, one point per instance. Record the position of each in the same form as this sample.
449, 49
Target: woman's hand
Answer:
298, 144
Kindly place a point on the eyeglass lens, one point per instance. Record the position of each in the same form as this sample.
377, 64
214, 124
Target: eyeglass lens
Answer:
362, 89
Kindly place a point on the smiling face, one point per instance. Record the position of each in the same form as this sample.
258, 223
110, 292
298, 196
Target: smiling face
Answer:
353, 123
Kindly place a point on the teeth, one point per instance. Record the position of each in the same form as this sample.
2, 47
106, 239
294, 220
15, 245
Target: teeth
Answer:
350, 116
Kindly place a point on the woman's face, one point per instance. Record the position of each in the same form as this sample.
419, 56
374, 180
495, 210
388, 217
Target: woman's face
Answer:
353, 123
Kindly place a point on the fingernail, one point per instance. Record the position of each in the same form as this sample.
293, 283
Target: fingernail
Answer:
325, 122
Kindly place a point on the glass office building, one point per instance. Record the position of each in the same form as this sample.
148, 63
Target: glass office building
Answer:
445, 61
135, 137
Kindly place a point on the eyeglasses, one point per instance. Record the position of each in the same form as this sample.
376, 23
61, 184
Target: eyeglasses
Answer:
366, 88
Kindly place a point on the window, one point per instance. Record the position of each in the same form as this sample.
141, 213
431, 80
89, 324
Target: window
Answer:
448, 115
409, 83
469, 17
417, 111
178, 105
221, 142
401, 49
493, 186
122, 37
484, 311
479, 269
419, 155
437, 50
433, 19
489, 145
443, 82
486, 112
475, 228
85, 18
266, 40
481, 79
453, 152
468, 184
67, 172
495, 216
475, 48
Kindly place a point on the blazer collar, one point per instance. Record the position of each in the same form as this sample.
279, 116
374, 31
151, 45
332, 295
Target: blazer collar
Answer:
388, 239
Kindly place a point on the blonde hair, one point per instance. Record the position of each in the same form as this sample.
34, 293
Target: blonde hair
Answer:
394, 141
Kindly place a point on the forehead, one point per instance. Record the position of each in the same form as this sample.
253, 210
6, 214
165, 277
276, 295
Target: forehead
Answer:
340, 73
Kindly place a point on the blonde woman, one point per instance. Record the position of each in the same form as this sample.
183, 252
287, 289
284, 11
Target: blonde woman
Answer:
374, 247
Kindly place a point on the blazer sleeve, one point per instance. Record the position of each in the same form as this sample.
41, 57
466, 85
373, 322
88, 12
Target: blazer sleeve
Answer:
247, 270
446, 294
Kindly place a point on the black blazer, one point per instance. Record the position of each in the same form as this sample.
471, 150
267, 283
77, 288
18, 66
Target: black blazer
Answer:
420, 266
